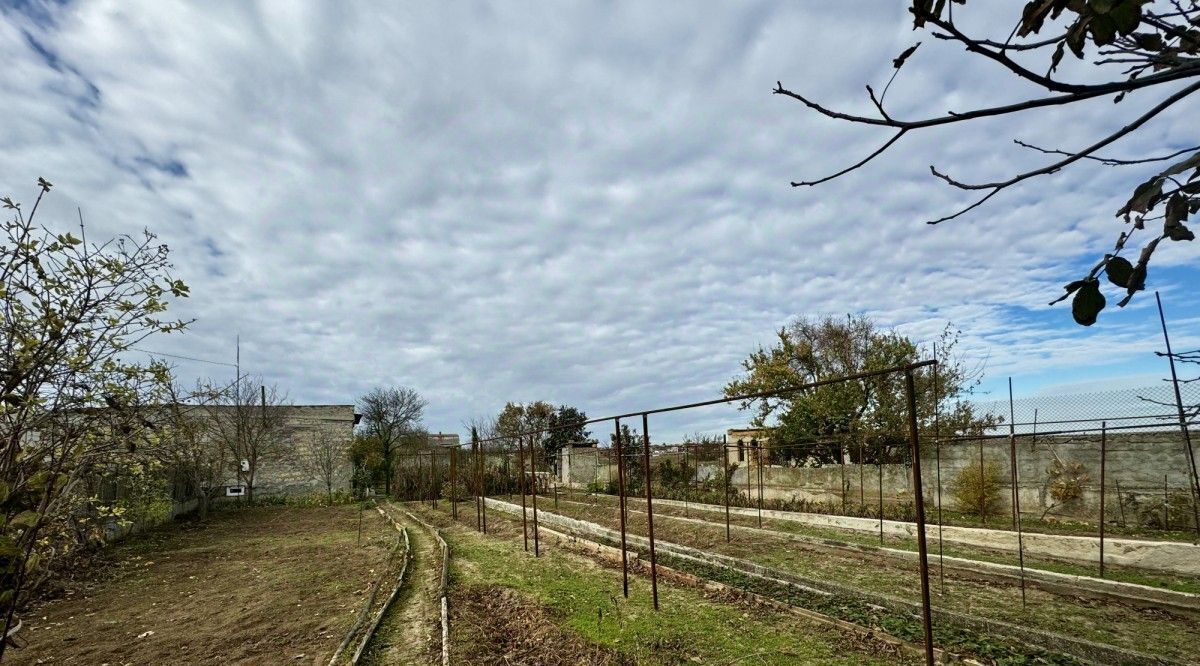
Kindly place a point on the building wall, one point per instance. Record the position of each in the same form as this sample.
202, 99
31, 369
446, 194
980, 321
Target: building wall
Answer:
286, 474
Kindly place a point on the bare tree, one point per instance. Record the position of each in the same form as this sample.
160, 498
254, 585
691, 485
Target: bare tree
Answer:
250, 423
1141, 46
324, 458
390, 417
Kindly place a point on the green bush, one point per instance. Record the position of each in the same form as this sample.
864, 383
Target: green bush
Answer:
978, 492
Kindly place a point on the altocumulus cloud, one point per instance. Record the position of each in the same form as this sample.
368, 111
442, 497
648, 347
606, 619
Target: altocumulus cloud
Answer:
584, 202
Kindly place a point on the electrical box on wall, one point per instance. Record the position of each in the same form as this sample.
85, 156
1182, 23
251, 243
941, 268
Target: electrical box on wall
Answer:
235, 491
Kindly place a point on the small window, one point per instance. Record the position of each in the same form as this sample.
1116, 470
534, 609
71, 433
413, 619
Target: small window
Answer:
741, 451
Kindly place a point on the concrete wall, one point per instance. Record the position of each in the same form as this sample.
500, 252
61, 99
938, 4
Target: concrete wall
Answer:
580, 466
1137, 461
825, 484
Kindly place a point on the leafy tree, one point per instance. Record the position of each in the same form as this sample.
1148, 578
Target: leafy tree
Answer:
569, 430
854, 418
631, 449
391, 419
68, 397
1142, 46
532, 417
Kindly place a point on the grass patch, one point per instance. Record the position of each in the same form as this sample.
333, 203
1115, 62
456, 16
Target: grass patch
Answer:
584, 598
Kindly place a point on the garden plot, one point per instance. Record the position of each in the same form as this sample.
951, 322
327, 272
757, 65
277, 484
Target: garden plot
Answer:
1148, 631
1178, 582
508, 606
261, 585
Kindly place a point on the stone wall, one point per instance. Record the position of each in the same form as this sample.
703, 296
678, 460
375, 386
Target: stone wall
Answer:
286, 474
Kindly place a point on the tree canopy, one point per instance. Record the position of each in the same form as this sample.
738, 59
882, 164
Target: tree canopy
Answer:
1137, 46
391, 420
872, 412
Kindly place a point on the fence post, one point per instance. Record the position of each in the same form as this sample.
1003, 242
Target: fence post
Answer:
483, 486
649, 509
1194, 480
478, 481
937, 449
1103, 463
1016, 491
454, 484
521, 489
759, 451
688, 482
533, 473
726, 473
982, 485
919, 497
862, 480
621, 505
879, 469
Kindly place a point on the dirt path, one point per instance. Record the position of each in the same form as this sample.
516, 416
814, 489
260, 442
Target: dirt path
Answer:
411, 631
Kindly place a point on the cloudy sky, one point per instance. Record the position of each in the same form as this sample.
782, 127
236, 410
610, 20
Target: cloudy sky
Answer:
582, 202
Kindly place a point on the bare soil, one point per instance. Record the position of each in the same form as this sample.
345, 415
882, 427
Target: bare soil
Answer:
261, 585
507, 627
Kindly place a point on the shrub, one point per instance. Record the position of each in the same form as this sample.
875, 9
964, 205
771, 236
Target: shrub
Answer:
976, 490
1151, 511
1065, 480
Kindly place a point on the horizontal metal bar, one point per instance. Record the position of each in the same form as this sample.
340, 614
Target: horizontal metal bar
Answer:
718, 401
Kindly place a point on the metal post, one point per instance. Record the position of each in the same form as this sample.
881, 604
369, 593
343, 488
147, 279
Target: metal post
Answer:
649, 509
533, 474
879, 468
1120, 502
842, 455
748, 492
483, 486
478, 479
982, 486
919, 497
1103, 465
1166, 505
621, 506
454, 484
1183, 426
1016, 490
689, 482
758, 448
937, 451
862, 491
726, 474
521, 489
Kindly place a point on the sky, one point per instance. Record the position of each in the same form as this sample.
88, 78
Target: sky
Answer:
581, 202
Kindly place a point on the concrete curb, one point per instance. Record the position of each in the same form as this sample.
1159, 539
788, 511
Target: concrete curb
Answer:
1166, 556
1142, 596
